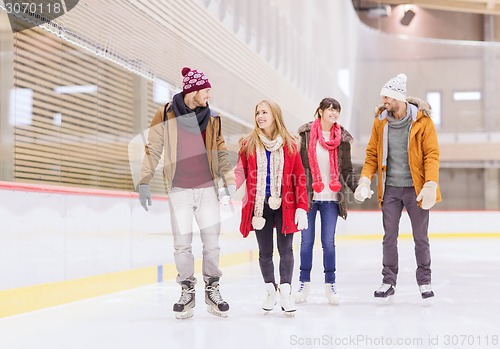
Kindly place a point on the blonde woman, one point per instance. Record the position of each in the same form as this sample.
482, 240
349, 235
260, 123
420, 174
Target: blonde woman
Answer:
276, 196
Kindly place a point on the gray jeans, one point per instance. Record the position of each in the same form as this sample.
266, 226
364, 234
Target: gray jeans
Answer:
203, 205
394, 201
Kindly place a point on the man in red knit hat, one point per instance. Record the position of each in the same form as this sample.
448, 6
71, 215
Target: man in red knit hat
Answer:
189, 134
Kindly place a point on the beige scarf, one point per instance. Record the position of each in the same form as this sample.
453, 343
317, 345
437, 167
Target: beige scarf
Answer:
276, 168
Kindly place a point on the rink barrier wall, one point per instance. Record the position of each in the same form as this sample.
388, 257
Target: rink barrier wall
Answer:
62, 244
69, 244
36, 297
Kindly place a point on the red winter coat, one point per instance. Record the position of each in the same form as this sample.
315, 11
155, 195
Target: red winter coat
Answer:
293, 189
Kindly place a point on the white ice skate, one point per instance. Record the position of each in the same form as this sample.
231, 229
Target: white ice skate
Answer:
331, 294
271, 297
302, 292
286, 300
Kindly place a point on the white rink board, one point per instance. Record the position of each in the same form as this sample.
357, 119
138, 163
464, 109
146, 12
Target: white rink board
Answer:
49, 237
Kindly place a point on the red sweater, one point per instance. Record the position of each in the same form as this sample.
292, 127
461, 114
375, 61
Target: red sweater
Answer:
192, 170
293, 189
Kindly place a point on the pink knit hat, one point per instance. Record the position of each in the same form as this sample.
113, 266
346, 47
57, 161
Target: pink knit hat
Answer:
194, 80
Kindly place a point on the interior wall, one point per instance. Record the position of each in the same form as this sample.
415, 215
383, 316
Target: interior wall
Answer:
462, 188
496, 23
429, 23
442, 75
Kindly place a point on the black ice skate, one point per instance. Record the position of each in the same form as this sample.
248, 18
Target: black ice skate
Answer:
426, 291
384, 291
183, 309
216, 305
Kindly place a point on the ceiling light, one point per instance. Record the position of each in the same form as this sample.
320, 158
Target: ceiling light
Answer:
407, 17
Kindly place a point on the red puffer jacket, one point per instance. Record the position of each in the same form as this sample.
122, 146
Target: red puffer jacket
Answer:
293, 189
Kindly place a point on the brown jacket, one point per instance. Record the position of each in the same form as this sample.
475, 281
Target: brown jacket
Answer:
423, 149
163, 139
347, 176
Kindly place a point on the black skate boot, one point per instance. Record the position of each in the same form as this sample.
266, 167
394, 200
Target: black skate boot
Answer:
183, 309
384, 291
426, 291
216, 305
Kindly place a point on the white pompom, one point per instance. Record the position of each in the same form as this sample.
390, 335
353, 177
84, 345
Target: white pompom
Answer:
258, 222
274, 203
402, 77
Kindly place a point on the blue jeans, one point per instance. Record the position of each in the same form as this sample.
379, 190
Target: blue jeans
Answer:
329, 212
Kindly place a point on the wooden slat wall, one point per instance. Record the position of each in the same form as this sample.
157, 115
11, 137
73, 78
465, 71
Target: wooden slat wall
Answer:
89, 146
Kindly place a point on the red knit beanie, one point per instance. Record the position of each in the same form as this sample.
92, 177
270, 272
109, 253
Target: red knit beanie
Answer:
194, 80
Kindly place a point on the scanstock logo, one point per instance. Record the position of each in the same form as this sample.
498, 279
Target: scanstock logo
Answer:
25, 14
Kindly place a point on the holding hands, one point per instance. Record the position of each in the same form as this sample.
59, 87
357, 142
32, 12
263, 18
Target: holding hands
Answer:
227, 194
363, 190
301, 219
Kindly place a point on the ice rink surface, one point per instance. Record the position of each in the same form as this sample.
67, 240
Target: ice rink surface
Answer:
465, 313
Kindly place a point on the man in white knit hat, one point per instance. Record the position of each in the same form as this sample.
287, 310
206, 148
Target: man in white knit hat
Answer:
403, 151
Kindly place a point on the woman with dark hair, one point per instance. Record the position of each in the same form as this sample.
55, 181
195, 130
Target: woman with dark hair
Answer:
326, 156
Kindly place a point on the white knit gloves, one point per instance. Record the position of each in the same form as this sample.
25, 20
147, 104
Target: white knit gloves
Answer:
363, 190
428, 195
301, 219
227, 194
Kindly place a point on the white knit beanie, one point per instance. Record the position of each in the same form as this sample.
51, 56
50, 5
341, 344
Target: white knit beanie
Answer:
395, 88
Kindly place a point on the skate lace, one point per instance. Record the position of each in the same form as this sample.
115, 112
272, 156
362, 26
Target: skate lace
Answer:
384, 287
214, 294
186, 296
301, 287
331, 288
425, 288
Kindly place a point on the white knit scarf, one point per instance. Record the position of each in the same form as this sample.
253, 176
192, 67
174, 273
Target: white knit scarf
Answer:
277, 161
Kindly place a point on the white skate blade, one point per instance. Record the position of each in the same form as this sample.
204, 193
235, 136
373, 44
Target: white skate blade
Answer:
288, 312
216, 312
428, 302
184, 314
384, 300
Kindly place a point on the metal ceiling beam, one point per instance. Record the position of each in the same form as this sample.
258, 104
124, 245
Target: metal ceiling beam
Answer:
490, 7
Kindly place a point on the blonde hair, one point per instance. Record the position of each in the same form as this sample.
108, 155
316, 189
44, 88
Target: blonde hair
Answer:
249, 143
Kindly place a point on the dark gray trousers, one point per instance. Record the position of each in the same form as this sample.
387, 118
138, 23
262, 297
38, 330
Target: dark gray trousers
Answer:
265, 238
395, 199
